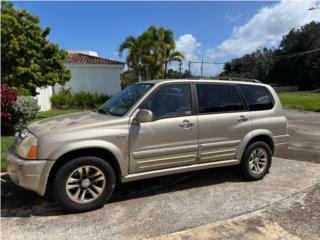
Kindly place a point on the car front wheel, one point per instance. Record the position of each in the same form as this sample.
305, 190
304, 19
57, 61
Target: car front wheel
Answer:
84, 184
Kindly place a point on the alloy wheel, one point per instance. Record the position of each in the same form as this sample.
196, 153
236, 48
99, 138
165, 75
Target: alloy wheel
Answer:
85, 184
258, 160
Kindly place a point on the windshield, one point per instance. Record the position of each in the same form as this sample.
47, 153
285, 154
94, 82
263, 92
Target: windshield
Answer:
120, 103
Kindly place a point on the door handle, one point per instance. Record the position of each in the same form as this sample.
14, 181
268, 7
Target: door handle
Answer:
243, 118
186, 124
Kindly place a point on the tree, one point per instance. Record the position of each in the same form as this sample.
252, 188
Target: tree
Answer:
295, 62
150, 53
298, 57
168, 46
127, 77
153, 55
257, 65
135, 48
173, 74
28, 59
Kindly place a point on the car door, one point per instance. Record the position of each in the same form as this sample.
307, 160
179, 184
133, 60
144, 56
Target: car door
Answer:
223, 121
171, 139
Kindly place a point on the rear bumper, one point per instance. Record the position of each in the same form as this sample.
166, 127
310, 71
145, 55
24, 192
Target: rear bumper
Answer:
29, 174
281, 143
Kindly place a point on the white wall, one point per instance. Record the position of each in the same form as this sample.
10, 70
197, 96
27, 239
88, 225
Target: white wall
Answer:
95, 78
43, 98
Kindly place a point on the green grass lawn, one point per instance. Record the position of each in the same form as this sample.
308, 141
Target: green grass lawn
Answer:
301, 100
5, 144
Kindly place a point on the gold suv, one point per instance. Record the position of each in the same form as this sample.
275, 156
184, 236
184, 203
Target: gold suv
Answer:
150, 129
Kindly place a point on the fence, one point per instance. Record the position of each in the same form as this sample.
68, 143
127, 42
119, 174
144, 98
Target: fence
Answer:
43, 98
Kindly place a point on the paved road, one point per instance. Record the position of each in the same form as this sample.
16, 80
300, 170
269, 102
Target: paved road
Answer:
160, 206
304, 130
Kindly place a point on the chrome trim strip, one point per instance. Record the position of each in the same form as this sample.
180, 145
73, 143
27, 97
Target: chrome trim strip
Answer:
164, 151
218, 151
218, 144
165, 164
218, 156
193, 156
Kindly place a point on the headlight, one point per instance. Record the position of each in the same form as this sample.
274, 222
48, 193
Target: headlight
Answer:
27, 145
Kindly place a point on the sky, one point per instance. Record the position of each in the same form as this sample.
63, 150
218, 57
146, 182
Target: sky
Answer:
213, 31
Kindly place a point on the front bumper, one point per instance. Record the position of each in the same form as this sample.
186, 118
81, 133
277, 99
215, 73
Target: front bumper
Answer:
29, 174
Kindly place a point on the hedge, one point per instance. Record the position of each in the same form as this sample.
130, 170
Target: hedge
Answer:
65, 99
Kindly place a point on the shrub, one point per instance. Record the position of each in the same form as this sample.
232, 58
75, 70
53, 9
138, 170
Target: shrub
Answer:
65, 99
23, 91
82, 99
8, 98
25, 109
16, 110
102, 99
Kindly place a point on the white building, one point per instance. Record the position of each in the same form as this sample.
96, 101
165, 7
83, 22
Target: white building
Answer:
89, 73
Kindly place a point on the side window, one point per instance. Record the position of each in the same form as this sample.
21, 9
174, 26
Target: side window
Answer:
258, 98
214, 98
237, 103
170, 101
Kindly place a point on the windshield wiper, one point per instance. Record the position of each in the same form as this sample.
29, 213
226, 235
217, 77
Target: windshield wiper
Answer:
107, 111
103, 111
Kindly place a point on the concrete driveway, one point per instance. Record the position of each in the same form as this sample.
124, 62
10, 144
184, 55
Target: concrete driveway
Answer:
155, 207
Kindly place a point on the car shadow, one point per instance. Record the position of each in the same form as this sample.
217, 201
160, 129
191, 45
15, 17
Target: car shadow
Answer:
18, 202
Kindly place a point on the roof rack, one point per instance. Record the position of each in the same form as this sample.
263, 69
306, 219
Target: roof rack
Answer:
238, 79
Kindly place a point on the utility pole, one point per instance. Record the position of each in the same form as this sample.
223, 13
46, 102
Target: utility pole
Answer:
201, 67
180, 69
189, 69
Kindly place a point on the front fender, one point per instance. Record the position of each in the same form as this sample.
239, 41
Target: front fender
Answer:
119, 155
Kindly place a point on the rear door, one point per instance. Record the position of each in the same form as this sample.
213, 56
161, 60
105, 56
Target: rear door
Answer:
223, 121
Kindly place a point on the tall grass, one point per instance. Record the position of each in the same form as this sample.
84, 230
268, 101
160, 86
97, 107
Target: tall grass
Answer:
301, 100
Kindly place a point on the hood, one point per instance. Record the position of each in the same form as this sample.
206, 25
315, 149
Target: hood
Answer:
68, 121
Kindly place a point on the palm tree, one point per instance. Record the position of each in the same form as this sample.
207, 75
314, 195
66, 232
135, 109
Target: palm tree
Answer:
150, 53
135, 48
168, 45
153, 57
171, 56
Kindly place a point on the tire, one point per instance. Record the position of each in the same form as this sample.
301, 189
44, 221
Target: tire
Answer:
84, 184
249, 161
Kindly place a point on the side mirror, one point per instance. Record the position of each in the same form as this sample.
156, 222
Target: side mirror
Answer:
144, 115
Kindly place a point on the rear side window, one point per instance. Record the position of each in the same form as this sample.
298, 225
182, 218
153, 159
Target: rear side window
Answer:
213, 98
257, 97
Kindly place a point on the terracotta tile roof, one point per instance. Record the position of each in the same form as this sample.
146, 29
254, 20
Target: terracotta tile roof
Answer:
80, 58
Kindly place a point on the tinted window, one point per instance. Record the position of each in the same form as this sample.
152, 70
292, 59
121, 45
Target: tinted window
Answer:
218, 98
257, 97
170, 101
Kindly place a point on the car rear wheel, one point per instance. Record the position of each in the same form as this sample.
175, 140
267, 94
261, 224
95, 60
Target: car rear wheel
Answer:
84, 184
256, 161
